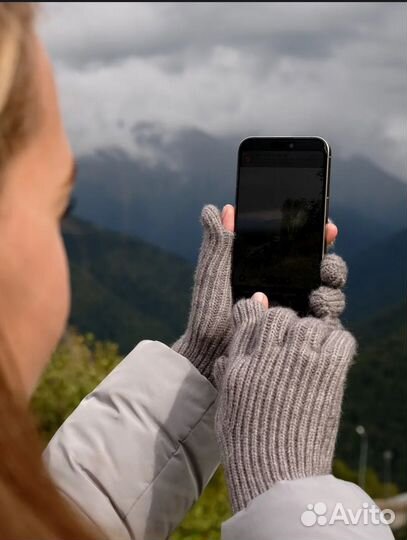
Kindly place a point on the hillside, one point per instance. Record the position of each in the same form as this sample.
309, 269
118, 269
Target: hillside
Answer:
123, 289
376, 393
377, 277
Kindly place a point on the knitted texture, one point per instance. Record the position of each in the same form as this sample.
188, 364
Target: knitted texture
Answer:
281, 386
209, 328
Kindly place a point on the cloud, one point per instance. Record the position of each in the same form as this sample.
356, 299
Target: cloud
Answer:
333, 69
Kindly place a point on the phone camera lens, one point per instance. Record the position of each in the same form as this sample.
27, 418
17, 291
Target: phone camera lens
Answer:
291, 146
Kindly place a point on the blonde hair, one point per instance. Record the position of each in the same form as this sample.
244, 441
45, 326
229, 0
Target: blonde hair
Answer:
10, 41
30, 505
19, 113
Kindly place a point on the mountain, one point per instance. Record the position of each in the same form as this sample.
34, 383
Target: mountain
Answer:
123, 289
377, 277
159, 197
364, 189
159, 203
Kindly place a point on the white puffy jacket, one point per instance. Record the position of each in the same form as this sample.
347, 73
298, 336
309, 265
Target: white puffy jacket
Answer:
138, 451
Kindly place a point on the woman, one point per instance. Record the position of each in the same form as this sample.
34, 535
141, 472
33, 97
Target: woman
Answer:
260, 387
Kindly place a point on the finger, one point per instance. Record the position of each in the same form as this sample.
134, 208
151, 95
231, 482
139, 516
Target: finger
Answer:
331, 232
262, 298
334, 271
214, 231
308, 333
341, 346
211, 219
228, 217
273, 328
214, 263
327, 302
247, 313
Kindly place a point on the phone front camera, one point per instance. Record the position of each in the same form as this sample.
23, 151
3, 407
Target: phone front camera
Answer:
291, 146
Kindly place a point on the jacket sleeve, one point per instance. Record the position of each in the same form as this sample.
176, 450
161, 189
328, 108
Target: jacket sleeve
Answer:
138, 450
317, 508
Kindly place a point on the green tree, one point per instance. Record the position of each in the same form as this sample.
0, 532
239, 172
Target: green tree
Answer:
79, 364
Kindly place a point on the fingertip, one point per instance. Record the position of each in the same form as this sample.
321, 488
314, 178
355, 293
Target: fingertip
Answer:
247, 311
327, 302
228, 217
331, 233
334, 271
262, 298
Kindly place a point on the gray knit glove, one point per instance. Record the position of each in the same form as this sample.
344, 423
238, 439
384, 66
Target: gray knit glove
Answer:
209, 328
280, 387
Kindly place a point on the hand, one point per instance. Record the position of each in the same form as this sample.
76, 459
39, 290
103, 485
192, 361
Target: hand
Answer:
280, 389
209, 326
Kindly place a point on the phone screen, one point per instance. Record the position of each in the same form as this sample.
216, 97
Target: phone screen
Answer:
280, 222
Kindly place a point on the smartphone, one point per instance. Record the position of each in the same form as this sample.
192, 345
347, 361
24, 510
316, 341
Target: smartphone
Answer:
282, 201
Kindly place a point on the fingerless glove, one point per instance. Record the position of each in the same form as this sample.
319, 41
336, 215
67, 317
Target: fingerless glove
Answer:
281, 386
209, 328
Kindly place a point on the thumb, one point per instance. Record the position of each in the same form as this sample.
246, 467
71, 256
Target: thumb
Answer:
228, 217
211, 220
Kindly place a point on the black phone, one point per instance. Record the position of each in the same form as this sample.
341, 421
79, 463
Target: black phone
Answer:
282, 201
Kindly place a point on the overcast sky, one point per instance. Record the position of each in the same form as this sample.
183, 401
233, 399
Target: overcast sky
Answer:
338, 70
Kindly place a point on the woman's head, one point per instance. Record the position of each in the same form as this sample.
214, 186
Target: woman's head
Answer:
36, 173
35, 183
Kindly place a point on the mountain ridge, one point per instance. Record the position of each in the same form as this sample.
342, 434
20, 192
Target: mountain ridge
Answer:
161, 201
